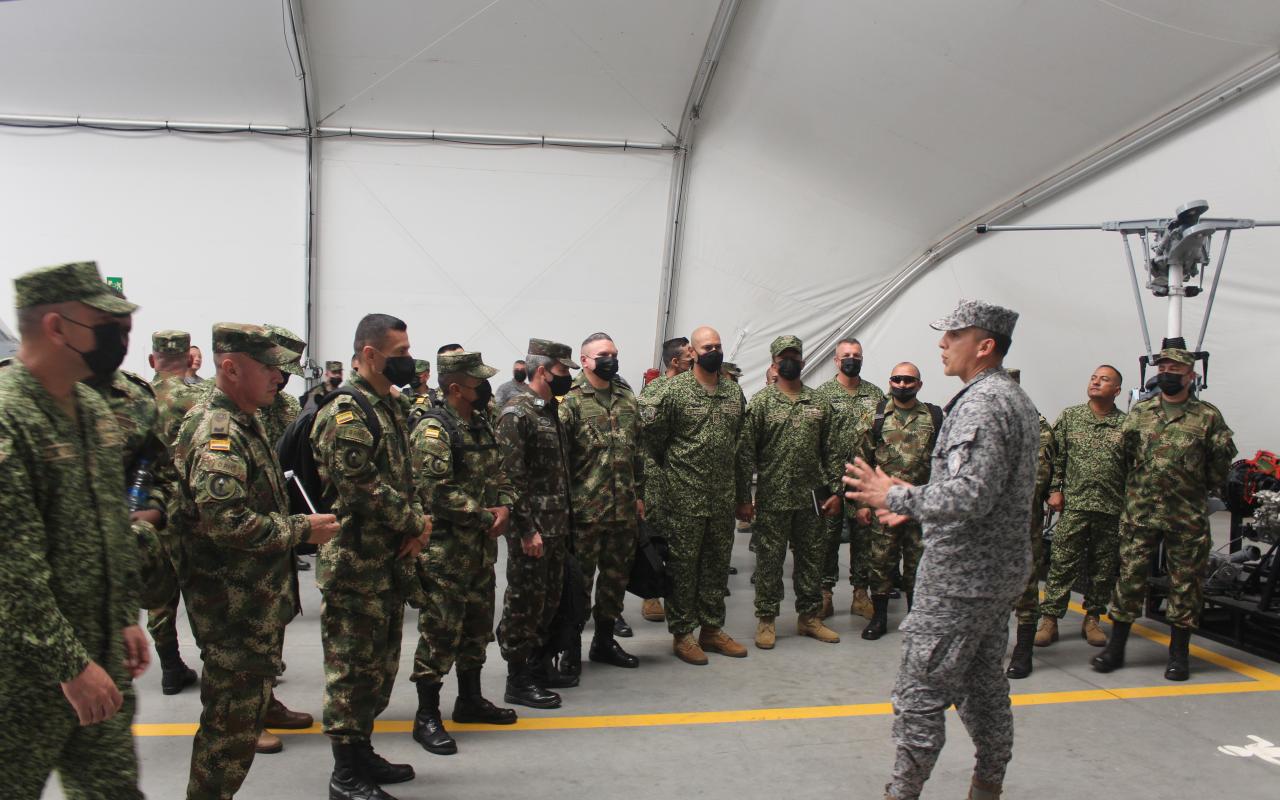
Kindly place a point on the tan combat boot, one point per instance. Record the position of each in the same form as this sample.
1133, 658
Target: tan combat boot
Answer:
1047, 633
1092, 632
981, 790
652, 610
809, 625
268, 742
828, 610
715, 640
766, 633
688, 651
861, 605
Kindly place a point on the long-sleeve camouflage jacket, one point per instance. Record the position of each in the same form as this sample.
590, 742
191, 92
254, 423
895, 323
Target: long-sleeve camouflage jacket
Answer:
606, 464
1089, 460
535, 459
790, 443
459, 488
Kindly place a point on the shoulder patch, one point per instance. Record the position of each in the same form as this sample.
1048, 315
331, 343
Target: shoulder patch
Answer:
648, 413
343, 417
431, 432
220, 424
221, 444
140, 381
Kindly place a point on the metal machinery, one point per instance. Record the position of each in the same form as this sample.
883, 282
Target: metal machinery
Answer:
1240, 606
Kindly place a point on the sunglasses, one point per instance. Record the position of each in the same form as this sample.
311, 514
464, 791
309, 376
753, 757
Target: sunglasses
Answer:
903, 379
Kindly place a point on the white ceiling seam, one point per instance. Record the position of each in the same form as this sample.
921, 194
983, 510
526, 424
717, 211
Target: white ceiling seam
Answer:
1128, 145
698, 89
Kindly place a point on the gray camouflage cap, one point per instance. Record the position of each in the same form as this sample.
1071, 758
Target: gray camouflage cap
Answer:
467, 363
561, 352
977, 314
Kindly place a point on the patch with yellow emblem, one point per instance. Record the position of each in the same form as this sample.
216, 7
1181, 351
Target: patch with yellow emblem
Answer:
344, 417
221, 445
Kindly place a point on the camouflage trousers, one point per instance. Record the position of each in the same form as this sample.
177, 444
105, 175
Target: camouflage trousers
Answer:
162, 624
534, 586
698, 561
361, 639
456, 624
1185, 555
161, 598
607, 547
39, 733
859, 552
1083, 539
1027, 607
888, 545
806, 533
235, 704
952, 653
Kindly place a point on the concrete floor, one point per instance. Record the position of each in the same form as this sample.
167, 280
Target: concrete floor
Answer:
1075, 739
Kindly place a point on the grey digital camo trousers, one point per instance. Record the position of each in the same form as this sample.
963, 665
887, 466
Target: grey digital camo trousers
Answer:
952, 653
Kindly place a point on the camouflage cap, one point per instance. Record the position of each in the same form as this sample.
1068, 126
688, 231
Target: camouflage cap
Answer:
291, 342
173, 343
786, 343
78, 282
252, 340
550, 349
420, 366
977, 314
730, 368
467, 363
1176, 354
333, 366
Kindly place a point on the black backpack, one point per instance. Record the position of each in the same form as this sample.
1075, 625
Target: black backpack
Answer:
294, 450
877, 427
450, 424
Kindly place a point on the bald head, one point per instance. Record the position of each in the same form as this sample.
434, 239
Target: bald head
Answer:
702, 337
905, 368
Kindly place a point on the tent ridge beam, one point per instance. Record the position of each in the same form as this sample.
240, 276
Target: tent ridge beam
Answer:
144, 125
459, 137
698, 91
1128, 145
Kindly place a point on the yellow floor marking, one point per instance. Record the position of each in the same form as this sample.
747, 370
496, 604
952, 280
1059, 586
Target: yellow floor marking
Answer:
1259, 681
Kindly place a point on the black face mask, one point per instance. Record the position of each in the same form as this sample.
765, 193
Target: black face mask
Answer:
335, 381
1169, 382
560, 385
903, 393
519, 375
399, 370
483, 393
607, 367
711, 362
851, 366
109, 348
789, 369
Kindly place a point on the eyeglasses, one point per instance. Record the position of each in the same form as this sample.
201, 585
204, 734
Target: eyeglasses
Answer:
903, 379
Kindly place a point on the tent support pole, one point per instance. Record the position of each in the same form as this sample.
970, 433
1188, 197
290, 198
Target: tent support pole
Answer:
303, 60
680, 168
1168, 123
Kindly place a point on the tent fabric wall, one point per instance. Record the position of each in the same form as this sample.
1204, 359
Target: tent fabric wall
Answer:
1073, 290
840, 140
490, 246
201, 229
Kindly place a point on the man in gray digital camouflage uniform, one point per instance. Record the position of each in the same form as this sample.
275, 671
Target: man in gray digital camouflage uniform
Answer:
975, 513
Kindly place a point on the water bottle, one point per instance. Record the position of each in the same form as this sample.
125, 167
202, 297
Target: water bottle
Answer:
139, 491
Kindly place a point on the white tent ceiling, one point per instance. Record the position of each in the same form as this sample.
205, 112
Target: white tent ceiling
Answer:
841, 138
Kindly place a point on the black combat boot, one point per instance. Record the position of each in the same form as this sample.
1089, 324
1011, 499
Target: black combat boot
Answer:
379, 770
570, 661
348, 781
606, 650
621, 628
1020, 661
1179, 668
428, 729
546, 674
911, 597
879, 618
175, 675
471, 705
1112, 656
523, 691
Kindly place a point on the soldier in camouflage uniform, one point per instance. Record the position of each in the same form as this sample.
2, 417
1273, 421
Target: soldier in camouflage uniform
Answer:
1177, 450
535, 459
1088, 491
238, 575
71, 643
601, 419
902, 448
1027, 607
368, 571
853, 402
691, 433
285, 408
974, 512
677, 357
331, 380
786, 439
458, 474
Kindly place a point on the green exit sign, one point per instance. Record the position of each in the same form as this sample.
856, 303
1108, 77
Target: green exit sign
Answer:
116, 283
